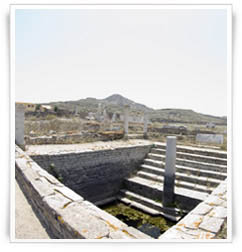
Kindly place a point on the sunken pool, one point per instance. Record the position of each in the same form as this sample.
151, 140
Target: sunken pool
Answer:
153, 226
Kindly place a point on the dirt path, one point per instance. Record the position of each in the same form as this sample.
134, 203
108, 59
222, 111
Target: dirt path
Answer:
27, 225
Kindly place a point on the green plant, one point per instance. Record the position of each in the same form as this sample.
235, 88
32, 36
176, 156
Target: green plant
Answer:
37, 107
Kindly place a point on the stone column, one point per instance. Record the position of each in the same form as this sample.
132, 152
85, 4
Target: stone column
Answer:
145, 125
170, 170
19, 125
126, 121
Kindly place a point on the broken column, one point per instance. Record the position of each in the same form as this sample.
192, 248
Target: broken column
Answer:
170, 171
19, 125
126, 121
145, 125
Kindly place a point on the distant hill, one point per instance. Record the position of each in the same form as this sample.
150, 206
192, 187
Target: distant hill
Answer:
185, 116
116, 102
119, 100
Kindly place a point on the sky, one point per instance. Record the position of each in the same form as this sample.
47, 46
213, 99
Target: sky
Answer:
160, 58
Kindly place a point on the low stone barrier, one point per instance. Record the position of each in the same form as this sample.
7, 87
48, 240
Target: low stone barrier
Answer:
205, 220
65, 214
73, 138
210, 138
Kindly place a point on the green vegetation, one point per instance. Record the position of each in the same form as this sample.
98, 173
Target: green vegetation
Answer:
223, 232
137, 218
55, 172
37, 107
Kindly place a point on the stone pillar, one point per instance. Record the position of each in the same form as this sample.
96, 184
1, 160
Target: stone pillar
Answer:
126, 121
145, 125
19, 125
170, 170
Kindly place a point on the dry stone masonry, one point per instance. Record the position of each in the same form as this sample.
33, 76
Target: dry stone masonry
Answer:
130, 171
65, 214
205, 221
96, 175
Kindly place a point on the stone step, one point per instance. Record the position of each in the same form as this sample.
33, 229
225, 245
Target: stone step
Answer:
153, 204
181, 177
159, 161
146, 209
105, 201
178, 183
154, 190
186, 170
188, 156
192, 156
195, 150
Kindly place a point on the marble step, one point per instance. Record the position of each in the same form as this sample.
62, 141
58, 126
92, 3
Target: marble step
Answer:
193, 157
184, 162
146, 209
185, 170
195, 150
178, 183
154, 189
154, 204
182, 179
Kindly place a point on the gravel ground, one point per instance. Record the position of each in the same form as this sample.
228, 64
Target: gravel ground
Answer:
27, 225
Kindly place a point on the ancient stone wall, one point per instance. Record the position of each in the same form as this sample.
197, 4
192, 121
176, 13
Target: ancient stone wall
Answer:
205, 221
96, 175
74, 138
65, 214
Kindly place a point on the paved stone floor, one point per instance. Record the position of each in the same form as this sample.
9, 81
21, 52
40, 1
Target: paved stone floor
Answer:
70, 148
27, 225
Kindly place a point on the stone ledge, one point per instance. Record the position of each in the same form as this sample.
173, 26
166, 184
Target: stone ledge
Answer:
205, 220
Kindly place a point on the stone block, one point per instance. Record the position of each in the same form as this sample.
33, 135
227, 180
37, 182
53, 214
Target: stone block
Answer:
210, 138
213, 200
211, 224
136, 233
56, 201
220, 190
42, 187
202, 209
191, 221
119, 235
99, 213
218, 212
82, 222
174, 233
49, 177
205, 235
30, 174
68, 193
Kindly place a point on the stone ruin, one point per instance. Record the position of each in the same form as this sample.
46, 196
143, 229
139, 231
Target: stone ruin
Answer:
66, 187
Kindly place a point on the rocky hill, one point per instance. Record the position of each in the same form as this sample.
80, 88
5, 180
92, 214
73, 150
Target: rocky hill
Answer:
115, 103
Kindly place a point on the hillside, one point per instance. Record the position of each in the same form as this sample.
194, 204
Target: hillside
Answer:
185, 116
115, 103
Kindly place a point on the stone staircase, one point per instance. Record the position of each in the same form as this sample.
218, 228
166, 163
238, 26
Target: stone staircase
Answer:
198, 172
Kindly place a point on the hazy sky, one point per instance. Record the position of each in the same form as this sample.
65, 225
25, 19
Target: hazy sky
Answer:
161, 58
